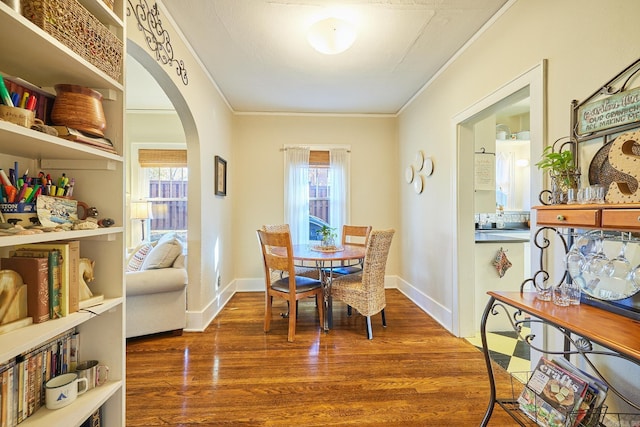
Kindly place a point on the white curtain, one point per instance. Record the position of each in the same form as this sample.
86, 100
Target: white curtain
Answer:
296, 203
505, 180
338, 197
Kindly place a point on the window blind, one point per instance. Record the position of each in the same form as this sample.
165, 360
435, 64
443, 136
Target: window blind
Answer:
319, 158
149, 158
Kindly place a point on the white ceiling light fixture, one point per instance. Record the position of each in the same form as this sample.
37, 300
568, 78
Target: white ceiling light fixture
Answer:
331, 36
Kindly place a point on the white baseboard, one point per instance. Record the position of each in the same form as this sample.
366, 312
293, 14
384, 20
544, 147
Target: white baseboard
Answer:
437, 311
197, 321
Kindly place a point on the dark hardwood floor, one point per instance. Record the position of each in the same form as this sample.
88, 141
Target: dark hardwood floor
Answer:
413, 373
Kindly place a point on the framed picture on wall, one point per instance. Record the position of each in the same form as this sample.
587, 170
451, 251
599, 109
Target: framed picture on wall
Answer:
221, 176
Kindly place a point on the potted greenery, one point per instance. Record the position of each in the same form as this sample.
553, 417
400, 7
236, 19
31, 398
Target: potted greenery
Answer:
328, 236
564, 174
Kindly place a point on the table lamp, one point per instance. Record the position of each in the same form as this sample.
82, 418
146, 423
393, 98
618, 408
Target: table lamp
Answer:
141, 210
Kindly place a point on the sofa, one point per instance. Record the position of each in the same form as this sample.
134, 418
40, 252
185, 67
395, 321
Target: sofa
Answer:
156, 286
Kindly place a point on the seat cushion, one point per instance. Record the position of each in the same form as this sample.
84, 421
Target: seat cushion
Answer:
303, 284
346, 270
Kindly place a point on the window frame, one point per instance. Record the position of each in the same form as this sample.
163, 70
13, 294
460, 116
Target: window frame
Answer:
139, 183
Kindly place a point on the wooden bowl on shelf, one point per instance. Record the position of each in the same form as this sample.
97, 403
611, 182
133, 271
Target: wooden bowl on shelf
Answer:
80, 108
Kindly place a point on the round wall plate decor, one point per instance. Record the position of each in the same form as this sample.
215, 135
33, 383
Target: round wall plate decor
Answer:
408, 174
419, 160
417, 185
428, 166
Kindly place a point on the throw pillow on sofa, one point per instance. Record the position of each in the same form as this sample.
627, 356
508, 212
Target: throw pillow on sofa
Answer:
163, 254
137, 258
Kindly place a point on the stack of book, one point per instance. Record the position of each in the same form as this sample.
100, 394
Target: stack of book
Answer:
558, 394
75, 135
22, 379
51, 273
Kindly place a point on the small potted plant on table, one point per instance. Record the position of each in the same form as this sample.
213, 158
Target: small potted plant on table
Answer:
564, 174
328, 236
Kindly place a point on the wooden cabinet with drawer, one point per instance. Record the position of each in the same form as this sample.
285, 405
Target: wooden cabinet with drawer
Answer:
623, 217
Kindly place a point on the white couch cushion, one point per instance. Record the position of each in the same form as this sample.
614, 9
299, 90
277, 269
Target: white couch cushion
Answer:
163, 254
156, 281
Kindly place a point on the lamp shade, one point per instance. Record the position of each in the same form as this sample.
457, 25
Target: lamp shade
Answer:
141, 210
331, 36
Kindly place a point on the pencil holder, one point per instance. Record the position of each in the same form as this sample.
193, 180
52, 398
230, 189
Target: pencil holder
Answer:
19, 116
19, 213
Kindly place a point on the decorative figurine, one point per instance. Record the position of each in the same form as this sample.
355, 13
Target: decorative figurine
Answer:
87, 298
13, 302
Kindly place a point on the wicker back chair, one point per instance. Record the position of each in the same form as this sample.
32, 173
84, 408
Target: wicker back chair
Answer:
355, 235
277, 255
365, 291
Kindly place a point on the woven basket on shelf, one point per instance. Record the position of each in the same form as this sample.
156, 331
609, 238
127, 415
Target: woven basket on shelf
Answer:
72, 25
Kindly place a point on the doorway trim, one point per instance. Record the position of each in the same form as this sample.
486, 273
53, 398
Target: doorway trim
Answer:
463, 309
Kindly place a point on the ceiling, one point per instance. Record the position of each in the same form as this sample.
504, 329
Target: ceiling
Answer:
257, 53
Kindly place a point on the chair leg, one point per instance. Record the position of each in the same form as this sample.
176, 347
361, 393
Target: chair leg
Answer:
292, 321
369, 330
267, 312
321, 313
329, 312
384, 319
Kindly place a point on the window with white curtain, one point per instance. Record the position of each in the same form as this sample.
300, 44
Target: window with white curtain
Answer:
316, 189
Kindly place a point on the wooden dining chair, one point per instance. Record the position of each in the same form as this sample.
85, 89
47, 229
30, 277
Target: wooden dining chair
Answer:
312, 272
355, 235
365, 291
290, 287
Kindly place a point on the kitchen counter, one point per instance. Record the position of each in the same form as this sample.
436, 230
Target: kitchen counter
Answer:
502, 236
515, 243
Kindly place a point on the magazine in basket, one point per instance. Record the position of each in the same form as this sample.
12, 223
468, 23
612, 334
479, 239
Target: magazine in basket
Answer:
552, 395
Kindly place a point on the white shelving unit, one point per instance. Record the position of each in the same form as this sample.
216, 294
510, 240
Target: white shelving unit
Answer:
33, 55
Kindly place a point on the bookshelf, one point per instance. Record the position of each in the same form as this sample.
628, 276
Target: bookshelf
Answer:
33, 55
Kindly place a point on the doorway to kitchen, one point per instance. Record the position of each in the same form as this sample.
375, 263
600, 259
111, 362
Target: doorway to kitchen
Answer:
476, 126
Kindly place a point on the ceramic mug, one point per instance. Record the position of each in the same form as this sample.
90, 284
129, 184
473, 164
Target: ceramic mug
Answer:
95, 373
62, 390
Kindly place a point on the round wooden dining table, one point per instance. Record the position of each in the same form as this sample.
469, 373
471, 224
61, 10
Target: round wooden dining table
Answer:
325, 261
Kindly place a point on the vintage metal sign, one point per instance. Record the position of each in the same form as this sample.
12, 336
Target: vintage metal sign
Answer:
616, 110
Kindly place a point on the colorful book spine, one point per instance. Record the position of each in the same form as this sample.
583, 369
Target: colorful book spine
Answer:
22, 379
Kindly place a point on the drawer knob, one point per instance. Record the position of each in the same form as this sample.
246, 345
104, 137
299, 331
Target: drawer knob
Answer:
562, 218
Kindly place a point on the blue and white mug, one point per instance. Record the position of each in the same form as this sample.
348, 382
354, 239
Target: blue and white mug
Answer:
62, 390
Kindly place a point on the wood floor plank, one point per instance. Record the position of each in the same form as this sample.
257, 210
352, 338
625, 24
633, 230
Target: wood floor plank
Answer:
413, 372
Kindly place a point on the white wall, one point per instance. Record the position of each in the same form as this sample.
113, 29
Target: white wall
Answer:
259, 175
586, 42
206, 120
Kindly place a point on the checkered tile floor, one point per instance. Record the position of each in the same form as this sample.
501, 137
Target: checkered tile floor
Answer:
506, 350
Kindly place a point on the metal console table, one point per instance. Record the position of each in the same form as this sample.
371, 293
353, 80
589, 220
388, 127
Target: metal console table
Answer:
582, 326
